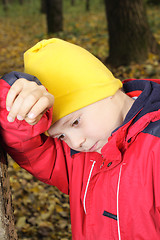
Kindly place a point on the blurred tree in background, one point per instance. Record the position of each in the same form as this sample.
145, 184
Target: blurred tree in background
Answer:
154, 2
5, 4
87, 5
43, 6
130, 37
72, 2
54, 15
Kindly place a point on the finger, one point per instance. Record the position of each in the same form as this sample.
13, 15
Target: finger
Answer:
15, 108
28, 103
23, 101
33, 121
42, 105
12, 94
21, 85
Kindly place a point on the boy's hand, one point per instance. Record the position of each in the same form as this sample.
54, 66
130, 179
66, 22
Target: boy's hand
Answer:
27, 100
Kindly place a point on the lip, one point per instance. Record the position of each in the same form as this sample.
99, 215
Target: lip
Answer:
94, 147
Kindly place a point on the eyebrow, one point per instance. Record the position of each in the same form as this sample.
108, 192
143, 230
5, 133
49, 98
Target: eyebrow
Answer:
72, 118
65, 122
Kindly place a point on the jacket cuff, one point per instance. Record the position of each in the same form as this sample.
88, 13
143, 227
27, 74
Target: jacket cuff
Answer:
11, 77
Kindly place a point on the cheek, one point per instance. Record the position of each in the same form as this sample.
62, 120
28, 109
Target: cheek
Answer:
102, 129
95, 129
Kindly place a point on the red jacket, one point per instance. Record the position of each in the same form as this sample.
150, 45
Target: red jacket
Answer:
116, 196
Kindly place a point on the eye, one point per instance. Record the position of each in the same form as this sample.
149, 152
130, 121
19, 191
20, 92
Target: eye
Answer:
62, 136
76, 122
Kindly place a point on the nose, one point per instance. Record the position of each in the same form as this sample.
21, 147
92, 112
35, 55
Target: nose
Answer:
76, 142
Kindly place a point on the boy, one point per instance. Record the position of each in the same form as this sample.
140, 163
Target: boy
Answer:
103, 148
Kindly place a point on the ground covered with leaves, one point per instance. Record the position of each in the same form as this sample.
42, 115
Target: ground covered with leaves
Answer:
41, 211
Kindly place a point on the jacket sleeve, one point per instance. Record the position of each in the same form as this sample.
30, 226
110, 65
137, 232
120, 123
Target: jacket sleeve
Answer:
42, 156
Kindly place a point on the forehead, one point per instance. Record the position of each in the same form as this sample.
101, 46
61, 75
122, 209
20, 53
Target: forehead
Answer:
73, 115
89, 111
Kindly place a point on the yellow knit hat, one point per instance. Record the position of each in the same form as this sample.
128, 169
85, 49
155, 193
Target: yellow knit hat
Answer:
73, 75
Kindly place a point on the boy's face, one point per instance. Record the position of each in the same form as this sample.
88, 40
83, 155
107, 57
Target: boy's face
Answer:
88, 129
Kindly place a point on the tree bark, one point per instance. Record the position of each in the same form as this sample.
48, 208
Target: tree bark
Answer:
43, 6
130, 38
21, 2
5, 5
54, 15
154, 2
7, 228
87, 5
72, 2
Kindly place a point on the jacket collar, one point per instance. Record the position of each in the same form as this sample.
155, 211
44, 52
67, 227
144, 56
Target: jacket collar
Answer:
144, 110
72, 152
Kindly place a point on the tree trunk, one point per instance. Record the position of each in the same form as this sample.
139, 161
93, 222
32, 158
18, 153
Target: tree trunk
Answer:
5, 4
130, 38
54, 15
154, 2
43, 6
87, 5
7, 229
72, 2
21, 2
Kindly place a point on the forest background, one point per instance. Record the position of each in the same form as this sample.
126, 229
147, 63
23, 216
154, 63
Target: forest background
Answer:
41, 211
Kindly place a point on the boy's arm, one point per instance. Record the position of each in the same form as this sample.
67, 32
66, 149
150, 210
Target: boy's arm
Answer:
42, 156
